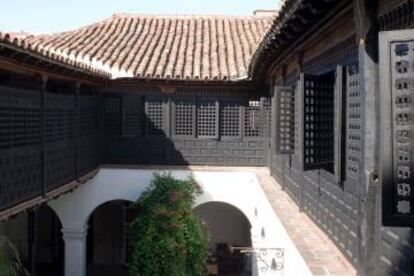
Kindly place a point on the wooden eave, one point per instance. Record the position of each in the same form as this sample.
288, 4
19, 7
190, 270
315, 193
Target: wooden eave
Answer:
16, 59
296, 21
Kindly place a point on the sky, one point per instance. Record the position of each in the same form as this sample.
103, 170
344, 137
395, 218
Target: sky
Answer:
46, 16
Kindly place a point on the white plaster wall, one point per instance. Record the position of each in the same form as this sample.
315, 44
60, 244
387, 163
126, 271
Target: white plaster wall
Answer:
240, 189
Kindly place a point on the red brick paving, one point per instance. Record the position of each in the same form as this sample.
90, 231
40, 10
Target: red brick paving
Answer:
318, 251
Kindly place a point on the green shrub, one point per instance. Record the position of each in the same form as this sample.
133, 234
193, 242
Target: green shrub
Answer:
168, 239
10, 263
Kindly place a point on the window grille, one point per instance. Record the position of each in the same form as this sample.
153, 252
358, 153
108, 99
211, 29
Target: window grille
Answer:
59, 117
230, 118
284, 123
184, 117
132, 116
252, 119
354, 122
207, 118
112, 111
154, 114
316, 122
87, 115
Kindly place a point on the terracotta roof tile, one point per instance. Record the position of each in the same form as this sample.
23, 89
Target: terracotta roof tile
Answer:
160, 46
21, 42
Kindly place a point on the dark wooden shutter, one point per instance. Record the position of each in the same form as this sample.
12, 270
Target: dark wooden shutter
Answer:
316, 122
132, 116
230, 118
207, 118
340, 123
397, 127
354, 123
284, 123
184, 115
253, 119
154, 116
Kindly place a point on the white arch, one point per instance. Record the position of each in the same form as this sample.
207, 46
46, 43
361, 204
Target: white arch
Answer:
202, 204
239, 189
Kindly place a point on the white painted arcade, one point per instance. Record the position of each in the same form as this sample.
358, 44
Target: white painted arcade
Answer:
239, 189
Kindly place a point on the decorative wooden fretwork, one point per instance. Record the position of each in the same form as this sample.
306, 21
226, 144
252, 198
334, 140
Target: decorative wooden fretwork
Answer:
354, 122
154, 116
88, 110
112, 115
207, 118
397, 127
132, 116
252, 119
184, 117
284, 121
316, 95
230, 111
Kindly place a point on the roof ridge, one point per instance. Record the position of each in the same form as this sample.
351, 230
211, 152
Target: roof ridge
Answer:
193, 16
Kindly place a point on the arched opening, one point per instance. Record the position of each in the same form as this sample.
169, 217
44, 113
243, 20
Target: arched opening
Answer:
49, 246
228, 228
106, 240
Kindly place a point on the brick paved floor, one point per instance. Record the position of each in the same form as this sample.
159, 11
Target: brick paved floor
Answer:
319, 252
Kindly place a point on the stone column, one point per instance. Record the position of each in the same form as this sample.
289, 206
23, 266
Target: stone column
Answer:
75, 251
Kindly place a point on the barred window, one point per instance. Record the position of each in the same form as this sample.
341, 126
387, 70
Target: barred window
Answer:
284, 123
184, 117
230, 118
323, 122
154, 114
207, 119
252, 119
316, 121
132, 116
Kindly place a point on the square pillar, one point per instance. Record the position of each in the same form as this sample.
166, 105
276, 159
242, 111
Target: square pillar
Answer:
75, 251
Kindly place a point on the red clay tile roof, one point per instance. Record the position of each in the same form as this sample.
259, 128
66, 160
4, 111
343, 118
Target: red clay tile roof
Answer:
20, 42
187, 47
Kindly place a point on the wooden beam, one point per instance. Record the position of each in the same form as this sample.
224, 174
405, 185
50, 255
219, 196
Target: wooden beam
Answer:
14, 66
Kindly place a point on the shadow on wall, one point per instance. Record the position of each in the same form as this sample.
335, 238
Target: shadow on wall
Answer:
167, 130
131, 137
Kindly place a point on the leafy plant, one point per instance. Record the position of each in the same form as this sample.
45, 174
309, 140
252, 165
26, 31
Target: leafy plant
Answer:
168, 239
10, 263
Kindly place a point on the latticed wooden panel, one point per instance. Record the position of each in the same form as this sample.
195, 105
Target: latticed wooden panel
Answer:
353, 122
112, 116
154, 115
253, 125
285, 125
88, 115
20, 174
230, 111
184, 117
60, 163
207, 118
60, 117
19, 117
318, 121
132, 116
89, 153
